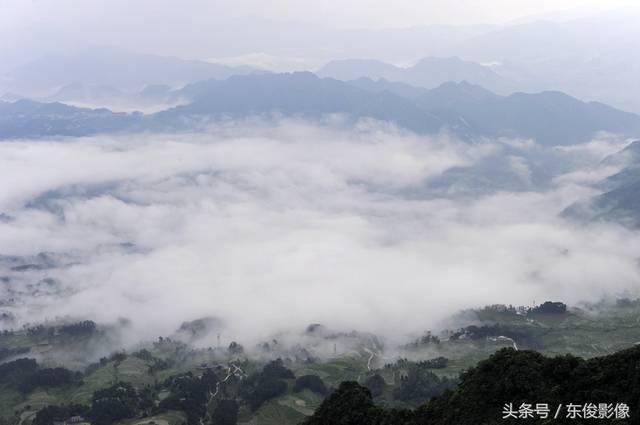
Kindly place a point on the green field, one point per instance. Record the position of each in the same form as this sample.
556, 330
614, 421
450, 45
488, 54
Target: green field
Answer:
591, 332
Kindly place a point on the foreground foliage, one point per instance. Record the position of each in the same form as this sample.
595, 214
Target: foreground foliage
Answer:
508, 376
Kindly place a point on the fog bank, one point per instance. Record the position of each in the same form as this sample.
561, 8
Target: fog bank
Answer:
273, 227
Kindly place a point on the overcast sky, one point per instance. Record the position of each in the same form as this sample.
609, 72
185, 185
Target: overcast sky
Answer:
150, 15
226, 28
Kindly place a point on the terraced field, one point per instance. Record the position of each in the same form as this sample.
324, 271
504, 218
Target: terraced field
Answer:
585, 332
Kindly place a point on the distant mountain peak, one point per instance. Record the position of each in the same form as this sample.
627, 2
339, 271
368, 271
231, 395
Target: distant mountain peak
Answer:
463, 108
428, 72
119, 68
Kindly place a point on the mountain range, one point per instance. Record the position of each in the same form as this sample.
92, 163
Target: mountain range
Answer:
466, 110
429, 72
110, 67
619, 200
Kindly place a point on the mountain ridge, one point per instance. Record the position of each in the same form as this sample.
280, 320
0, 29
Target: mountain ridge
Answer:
429, 72
469, 111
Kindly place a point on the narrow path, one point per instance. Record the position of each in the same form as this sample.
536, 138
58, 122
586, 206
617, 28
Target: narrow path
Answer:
237, 371
371, 356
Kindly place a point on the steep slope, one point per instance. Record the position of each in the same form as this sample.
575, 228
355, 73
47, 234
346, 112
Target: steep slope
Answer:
620, 200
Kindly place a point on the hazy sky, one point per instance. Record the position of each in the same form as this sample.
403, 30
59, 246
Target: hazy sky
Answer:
228, 28
344, 14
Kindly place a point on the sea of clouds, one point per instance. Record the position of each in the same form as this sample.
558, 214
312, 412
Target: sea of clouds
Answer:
272, 226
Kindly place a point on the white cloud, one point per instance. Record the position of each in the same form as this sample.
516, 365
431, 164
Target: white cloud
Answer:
276, 227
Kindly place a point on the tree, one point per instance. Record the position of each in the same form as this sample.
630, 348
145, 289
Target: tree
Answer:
375, 384
235, 349
436, 363
420, 385
265, 385
119, 401
310, 382
49, 378
259, 388
549, 307
50, 414
508, 376
17, 372
189, 394
276, 369
350, 404
225, 413
86, 327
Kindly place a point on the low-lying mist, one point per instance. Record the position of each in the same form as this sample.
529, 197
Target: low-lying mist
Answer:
271, 227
